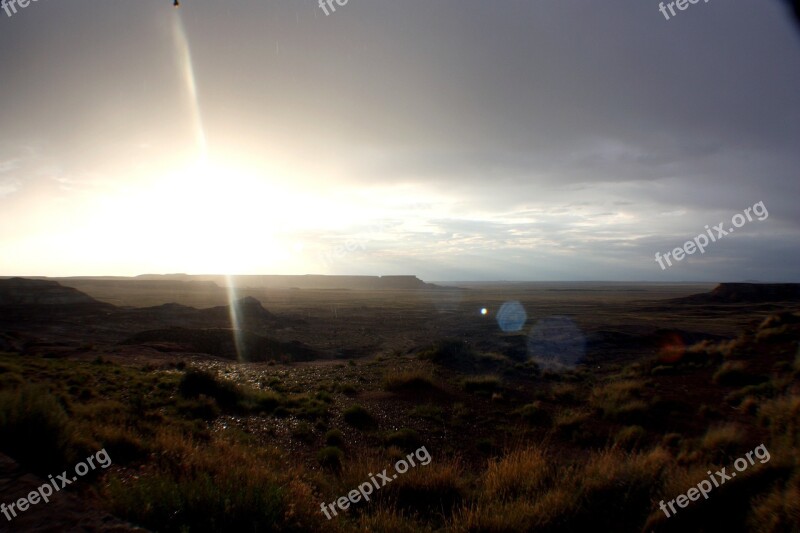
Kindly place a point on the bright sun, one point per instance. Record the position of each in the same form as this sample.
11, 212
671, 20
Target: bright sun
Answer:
208, 217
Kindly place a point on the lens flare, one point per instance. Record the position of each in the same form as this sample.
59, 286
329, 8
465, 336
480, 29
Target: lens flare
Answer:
511, 317
556, 343
183, 55
671, 348
233, 309
186, 67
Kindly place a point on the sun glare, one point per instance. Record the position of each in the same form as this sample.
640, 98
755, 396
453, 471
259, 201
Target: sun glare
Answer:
206, 217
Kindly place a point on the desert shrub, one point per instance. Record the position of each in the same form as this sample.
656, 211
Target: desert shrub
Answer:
391, 521
524, 472
779, 510
259, 401
671, 441
430, 490
616, 489
620, 400
10, 375
762, 390
308, 408
630, 437
324, 396
303, 432
735, 373
722, 441
776, 331
486, 446
334, 437
782, 417
219, 488
348, 389
571, 418
565, 393
534, 413
331, 457
405, 439
358, 417
749, 405
413, 381
779, 319
227, 395
199, 382
523, 514
121, 443
527, 491
451, 353
34, 428
10, 380
202, 407
482, 384
429, 412
8, 367
660, 370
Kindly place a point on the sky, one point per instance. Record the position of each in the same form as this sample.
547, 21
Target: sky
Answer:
450, 139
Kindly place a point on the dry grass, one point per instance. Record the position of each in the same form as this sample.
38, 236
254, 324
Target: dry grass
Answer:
620, 400
483, 384
782, 417
412, 381
522, 472
777, 511
174, 471
210, 486
721, 442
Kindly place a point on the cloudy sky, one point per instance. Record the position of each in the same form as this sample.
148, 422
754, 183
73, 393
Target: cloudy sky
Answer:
452, 139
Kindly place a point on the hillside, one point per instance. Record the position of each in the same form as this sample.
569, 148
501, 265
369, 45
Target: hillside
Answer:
746, 293
21, 291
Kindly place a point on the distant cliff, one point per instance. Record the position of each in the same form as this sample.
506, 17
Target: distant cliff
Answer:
22, 291
305, 282
747, 293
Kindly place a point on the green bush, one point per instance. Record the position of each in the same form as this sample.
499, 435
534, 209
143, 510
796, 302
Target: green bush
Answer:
534, 413
409, 381
452, 353
197, 502
199, 382
334, 437
202, 407
196, 383
330, 457
307, 408
348, 389
630, 437
303, 432
405, 439
34, 428
735, 373
359, 417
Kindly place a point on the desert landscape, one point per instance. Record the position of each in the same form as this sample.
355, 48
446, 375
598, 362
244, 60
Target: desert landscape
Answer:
348, 266
255, 427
